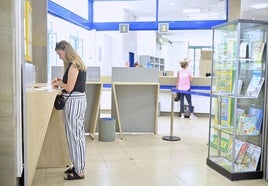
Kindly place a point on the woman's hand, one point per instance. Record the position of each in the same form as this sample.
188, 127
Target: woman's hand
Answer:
56, 83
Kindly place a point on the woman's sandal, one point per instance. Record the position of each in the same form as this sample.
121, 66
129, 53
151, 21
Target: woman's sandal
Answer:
70, 170
73, 176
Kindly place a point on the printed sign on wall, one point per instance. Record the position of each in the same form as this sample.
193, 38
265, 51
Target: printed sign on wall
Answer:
124, 28
163, 27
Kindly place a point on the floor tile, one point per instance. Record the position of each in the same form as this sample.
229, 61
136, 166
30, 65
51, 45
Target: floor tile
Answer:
148, 160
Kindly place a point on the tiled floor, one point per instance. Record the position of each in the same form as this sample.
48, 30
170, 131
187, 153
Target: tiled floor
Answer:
147, 160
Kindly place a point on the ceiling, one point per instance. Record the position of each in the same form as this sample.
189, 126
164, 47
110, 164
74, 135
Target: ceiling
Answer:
169, 10
247, 5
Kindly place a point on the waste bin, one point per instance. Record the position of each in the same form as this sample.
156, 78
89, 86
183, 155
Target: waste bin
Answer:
107, 129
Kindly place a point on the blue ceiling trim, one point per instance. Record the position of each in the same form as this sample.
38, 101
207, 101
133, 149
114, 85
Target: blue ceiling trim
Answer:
90, 11
67, 15
157, 10
173, 25
227, 9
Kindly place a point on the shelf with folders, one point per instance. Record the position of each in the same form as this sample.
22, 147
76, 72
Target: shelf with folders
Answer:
237, 125
152, 62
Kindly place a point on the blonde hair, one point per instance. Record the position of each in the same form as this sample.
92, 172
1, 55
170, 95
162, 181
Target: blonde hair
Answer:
70, 55
184, 62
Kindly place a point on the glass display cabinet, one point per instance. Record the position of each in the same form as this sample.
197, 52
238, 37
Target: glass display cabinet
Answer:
237, 124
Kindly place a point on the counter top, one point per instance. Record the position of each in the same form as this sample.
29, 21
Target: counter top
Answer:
170, 80
197, 81
135, 83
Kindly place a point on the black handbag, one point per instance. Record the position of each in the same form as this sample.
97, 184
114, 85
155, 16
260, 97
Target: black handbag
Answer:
177, 98
59, 102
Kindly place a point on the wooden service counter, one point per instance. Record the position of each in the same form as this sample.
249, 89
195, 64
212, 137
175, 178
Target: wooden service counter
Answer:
45, 141
93, 92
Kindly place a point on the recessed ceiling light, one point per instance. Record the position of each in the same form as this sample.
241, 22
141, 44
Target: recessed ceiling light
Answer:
259, 6
189, 35
148, 11
172, 4
212, 15
145, 19
191, 10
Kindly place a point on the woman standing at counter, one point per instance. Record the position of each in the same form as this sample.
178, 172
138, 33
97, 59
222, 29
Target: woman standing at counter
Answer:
184, 78
73, 82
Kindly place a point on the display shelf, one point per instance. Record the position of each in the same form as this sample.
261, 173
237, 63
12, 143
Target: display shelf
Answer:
223, 128
234, 176
229, 130
154, 62
230, 95
237, 127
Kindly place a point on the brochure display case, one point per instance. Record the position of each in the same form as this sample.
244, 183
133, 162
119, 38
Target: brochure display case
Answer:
237, 124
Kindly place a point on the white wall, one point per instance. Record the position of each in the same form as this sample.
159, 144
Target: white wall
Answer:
174, 53
129, 44
146, 43
111, 48
119, 45
103, 58
64, 30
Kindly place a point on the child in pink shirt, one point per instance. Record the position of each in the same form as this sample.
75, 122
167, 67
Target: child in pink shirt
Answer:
184, 78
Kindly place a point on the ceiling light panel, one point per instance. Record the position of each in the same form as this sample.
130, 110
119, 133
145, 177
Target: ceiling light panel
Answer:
259, 6
184, 10
191, 10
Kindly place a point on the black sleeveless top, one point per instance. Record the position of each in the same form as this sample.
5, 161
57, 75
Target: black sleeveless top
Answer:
80, 81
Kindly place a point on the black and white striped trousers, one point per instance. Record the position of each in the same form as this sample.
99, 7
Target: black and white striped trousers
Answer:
74, 116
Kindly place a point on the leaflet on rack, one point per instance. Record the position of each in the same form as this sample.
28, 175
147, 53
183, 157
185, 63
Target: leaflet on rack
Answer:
255, 84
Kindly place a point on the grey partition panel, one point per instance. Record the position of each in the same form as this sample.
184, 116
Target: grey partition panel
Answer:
137, 107
91, 93
124, 74
57, 71
137, 103
93, 73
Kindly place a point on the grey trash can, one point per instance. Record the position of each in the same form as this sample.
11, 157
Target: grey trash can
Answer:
107, 129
